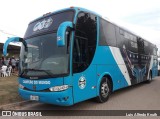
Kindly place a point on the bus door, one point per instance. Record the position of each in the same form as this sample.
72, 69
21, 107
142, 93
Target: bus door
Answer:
84, 76
84, 71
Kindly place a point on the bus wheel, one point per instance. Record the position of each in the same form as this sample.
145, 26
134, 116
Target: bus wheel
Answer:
104, 91
158, 72
150, 77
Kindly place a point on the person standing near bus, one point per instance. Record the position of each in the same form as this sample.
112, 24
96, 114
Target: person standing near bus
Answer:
3, 69
2, 60
7, 61
13, 62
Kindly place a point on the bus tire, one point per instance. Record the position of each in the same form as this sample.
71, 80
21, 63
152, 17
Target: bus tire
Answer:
158, 72
104, 90
150, 77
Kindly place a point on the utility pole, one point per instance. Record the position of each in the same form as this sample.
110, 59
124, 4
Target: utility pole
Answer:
10, 34
4, 32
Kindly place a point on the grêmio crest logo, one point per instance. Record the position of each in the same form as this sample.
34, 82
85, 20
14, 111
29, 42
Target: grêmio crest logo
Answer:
82, 82
43, 24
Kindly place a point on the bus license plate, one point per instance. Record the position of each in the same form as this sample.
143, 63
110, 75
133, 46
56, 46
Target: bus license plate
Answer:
33, 97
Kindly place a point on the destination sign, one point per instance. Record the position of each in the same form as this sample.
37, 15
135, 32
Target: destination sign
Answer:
48, 23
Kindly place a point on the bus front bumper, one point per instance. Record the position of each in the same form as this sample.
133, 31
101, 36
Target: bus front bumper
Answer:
63, 98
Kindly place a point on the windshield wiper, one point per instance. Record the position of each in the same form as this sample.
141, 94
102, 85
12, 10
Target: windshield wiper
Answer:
40, 70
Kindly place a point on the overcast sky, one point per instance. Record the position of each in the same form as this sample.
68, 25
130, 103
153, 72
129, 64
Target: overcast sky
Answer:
139, 16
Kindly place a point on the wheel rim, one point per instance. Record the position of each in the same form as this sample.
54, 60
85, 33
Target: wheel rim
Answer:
104, 90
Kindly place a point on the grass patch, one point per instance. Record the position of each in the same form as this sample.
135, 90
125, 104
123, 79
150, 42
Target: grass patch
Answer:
9, 90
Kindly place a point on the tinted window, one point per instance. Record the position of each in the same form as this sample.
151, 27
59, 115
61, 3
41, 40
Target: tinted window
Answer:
84, 42
140, 43
132, 43
146, 47
107, 33
122, 42
44, 56
153, 49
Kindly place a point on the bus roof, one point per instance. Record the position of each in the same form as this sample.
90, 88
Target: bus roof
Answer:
127, 30
70, 8
77, 9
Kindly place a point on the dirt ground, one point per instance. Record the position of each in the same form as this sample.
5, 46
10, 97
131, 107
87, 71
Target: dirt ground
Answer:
9, 90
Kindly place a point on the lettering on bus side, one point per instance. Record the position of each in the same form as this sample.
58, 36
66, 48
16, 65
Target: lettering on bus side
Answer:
36, 82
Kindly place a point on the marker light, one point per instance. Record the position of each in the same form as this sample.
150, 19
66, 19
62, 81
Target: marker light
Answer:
59, 88
21, 86
47, 14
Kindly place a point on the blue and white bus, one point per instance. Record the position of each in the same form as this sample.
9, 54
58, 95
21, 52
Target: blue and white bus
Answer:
73, 54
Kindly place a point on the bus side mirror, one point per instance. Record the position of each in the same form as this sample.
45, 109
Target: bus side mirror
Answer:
61, 33
12, 39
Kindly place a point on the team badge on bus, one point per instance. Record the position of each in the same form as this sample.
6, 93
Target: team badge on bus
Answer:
82, 82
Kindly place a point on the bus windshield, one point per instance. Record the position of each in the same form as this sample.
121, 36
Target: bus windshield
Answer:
43, 58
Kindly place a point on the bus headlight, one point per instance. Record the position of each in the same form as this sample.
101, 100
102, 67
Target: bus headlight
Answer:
21, 86
59, 88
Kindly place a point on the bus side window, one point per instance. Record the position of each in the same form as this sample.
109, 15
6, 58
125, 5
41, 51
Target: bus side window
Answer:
122, 42
107, 33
